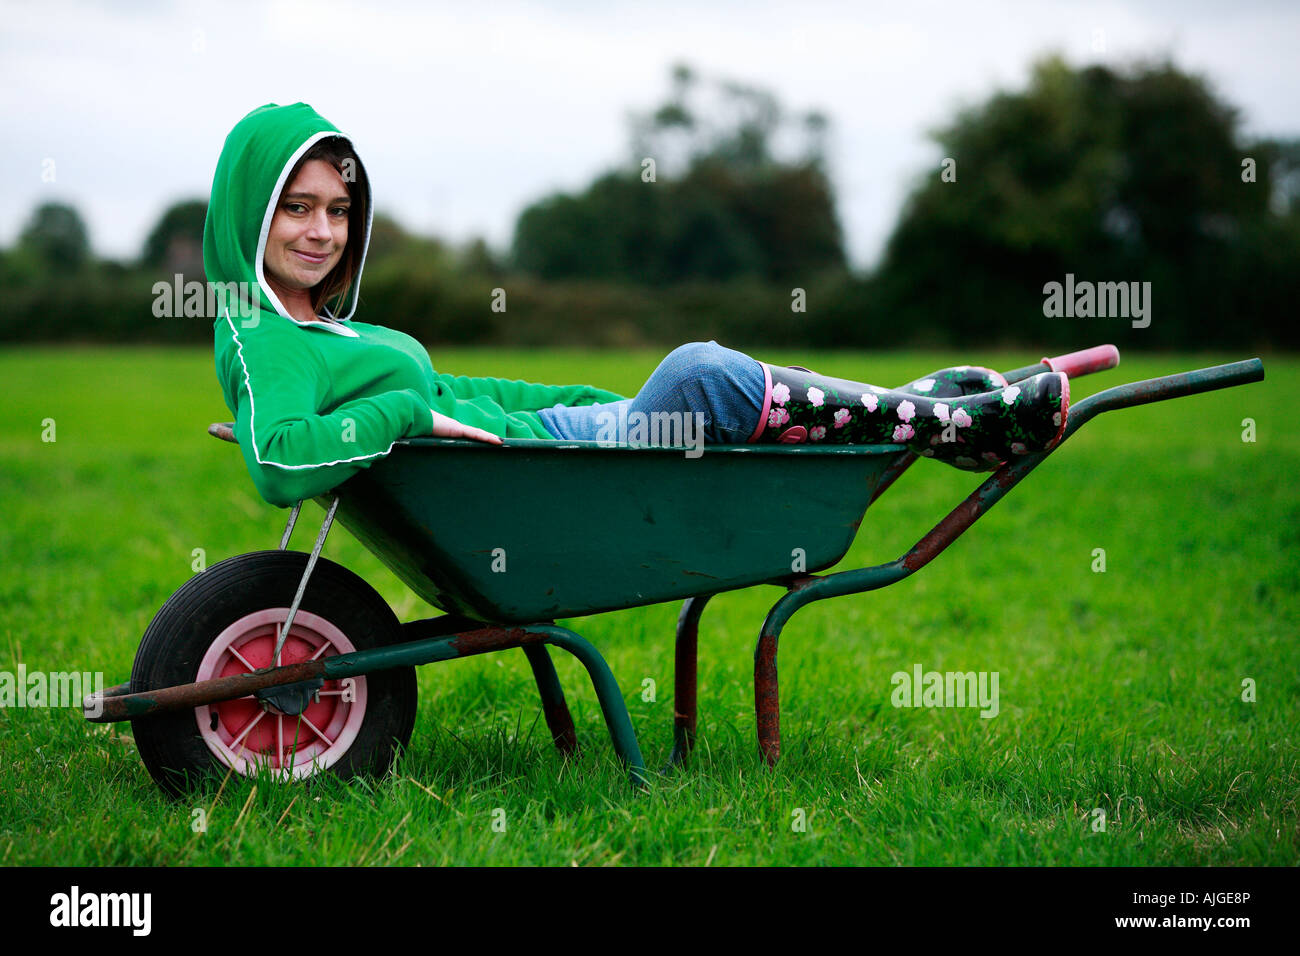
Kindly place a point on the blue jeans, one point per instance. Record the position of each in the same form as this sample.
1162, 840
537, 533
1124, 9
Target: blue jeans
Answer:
725, 386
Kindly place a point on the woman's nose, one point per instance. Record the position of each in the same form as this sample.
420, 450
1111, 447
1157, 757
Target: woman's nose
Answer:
318, 226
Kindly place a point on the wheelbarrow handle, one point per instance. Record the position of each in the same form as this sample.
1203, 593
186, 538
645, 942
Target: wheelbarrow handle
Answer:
995, 487
1164, 388
1099, 358
1085, 361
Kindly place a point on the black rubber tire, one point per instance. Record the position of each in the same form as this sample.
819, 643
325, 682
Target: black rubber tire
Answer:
173, 646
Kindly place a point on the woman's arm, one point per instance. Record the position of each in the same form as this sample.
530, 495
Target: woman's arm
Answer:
516, 395
293, 448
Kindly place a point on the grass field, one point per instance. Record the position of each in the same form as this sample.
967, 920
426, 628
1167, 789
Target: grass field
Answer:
1119, 691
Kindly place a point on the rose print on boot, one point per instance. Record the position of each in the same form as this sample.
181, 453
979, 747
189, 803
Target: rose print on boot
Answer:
974, 432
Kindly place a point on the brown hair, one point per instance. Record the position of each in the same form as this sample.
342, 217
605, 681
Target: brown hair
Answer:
338, 152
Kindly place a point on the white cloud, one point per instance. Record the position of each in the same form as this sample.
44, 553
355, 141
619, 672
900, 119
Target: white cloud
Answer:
464, 112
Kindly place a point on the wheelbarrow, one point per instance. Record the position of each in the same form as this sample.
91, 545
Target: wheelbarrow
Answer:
283, 662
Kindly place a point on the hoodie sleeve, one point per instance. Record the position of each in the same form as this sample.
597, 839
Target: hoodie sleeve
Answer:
516, 395
295, 449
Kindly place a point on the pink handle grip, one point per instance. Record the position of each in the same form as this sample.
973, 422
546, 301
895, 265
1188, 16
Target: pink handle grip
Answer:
1084, 362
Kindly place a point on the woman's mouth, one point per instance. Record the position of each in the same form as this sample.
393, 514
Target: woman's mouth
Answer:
313, 258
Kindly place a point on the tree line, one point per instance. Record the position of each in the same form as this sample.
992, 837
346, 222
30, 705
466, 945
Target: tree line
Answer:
721, 223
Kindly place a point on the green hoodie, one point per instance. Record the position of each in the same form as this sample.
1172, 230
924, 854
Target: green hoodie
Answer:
315, 402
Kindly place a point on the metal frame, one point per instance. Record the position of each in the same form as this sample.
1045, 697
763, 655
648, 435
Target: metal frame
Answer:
282, 630
429, 642
452, 636
812, 588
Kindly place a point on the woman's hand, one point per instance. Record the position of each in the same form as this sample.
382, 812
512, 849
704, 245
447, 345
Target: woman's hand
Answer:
444, 427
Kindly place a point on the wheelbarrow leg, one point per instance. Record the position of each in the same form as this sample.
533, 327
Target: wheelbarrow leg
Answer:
767, 698
767, 695
612, 707
554, 706
685, 674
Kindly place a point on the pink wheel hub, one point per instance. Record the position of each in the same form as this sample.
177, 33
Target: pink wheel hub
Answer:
245, 734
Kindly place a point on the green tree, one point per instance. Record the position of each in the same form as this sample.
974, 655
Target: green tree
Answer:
387, 237
1132, 175
703, 197
175, 244
178, 230
56, 236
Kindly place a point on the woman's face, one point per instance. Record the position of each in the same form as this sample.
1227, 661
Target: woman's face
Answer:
309, 230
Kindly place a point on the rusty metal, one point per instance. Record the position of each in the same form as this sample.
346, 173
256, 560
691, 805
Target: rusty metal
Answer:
455, 635
767, 697
213, 691
554, 707
426, 649
804, 591
685, 677
434, 646
223, 430
489, 639
955, 523
891, 475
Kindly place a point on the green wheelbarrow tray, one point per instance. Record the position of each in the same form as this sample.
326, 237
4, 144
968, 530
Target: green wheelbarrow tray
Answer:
566, 529
536, 530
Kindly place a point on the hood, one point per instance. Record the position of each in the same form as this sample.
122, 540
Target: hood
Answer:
255, 162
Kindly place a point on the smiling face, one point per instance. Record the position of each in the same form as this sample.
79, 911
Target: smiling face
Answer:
309, 233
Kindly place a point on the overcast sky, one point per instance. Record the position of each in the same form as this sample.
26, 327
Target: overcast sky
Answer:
466, 112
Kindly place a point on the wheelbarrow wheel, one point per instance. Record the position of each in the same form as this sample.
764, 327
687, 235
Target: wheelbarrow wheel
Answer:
224, 621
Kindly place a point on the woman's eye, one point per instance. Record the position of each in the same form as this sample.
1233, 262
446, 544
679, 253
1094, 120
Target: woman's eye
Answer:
295, 207
339, 211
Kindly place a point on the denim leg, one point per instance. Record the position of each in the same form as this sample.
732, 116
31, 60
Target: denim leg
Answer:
725, 386
578, 422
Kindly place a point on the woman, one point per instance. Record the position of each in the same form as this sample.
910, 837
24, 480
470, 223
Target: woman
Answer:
317, 396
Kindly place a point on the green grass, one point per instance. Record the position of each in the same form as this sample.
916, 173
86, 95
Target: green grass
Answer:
1119, 691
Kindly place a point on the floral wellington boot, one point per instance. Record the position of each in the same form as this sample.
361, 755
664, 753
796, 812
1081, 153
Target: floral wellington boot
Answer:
958, 380
974, 432
948, 382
